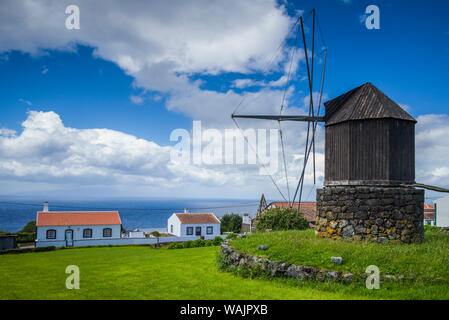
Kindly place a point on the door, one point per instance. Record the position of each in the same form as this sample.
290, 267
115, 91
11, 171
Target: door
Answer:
69, 238
198, 231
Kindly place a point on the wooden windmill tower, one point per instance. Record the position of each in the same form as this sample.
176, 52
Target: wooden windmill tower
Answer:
369, 188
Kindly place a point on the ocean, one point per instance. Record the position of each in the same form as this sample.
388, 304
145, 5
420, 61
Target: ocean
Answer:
15, 213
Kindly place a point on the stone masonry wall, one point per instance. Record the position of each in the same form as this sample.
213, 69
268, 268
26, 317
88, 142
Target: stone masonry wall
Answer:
379, 214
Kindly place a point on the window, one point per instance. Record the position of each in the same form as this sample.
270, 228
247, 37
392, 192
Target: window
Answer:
189, 231
171, 229
210, 230
107, 232
51, 234
198, 231
87, 233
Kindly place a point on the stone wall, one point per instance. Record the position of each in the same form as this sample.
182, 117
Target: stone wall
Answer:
380, 214
280, 268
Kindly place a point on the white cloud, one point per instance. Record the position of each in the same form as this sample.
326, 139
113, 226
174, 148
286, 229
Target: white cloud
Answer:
44, 70
25, 101
7, 132
180, 36
160, 45
432, 149
48, 152
136, 99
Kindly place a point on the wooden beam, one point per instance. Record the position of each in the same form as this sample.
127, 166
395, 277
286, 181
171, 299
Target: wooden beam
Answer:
280, 117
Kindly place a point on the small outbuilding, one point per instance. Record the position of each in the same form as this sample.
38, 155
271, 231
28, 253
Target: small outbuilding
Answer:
205, 225
7, 242
442, 212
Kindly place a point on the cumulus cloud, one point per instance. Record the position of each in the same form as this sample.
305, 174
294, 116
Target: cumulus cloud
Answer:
432, 149
46, 151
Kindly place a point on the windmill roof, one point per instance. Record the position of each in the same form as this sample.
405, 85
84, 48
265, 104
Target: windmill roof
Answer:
364, 102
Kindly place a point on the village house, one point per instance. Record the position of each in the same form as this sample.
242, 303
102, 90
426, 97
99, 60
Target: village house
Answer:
205, 225
442, 212
429, 215
69, 228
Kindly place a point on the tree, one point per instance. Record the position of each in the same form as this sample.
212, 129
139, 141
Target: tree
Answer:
30, 227
231, 223
281, 219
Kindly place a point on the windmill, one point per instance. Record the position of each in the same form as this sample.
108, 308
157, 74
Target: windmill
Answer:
312, 118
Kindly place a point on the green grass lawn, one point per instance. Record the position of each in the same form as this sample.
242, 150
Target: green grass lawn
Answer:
427, 263
140, 273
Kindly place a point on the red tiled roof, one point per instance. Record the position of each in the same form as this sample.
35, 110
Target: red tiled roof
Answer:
428, 206
191, 218
308, 209
77, 218
283, 204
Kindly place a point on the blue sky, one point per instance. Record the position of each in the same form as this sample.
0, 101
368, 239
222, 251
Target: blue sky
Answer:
85, 79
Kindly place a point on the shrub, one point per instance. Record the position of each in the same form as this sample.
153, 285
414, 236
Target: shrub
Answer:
281, 219
179, 246
217, 241
231, 223
188, 244
431, 228
23, 237
209, 243
198, 243
231, 235
155, 234
172, 245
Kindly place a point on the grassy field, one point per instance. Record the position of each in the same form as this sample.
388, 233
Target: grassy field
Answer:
139, 273
427, 263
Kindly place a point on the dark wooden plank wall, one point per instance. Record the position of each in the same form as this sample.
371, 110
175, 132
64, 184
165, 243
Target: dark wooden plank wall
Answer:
376, 149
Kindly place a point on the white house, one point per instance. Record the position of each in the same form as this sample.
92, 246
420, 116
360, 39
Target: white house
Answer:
69, 228
205, 225
442, 212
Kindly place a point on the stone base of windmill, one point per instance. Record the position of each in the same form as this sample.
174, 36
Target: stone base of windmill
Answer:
382, 214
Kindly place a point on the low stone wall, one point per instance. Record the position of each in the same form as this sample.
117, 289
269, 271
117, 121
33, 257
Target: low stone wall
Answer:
280, 268
370, 213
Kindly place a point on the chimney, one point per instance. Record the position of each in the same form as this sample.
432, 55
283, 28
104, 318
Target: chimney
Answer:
185, 210
45, 206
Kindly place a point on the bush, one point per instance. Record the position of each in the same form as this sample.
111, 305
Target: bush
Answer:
155, 234
198, 243
188, 244
23, 237
209, 243
217, 241
231, 235
172, 245
279, 219
431, 228
231, 223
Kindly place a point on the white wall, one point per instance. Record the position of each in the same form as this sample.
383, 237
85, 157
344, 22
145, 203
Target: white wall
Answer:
216, 229
97, 232
121, 241
442, 212
176, 223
